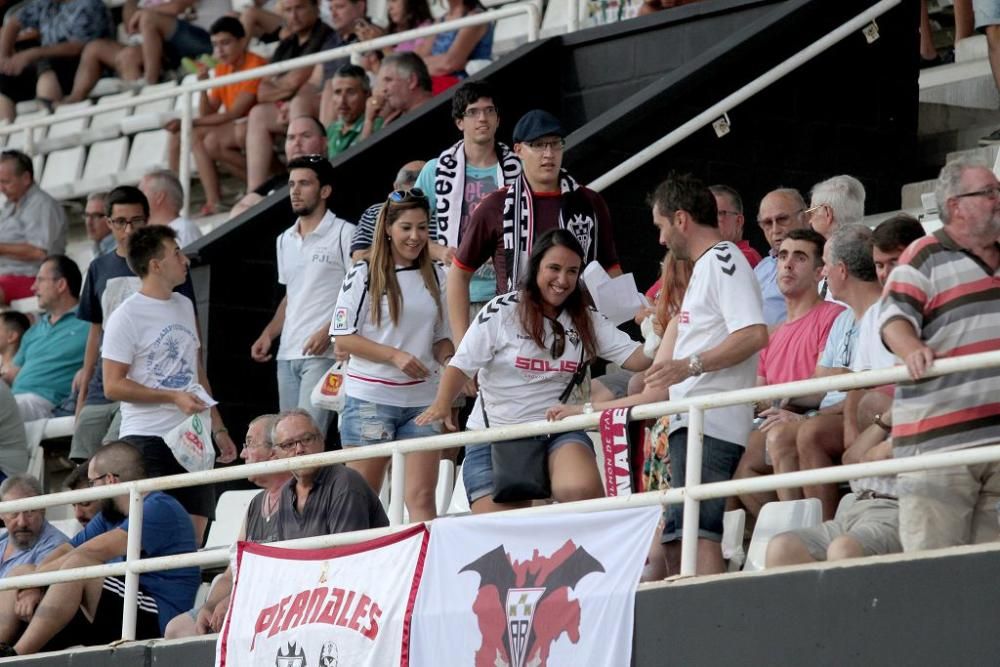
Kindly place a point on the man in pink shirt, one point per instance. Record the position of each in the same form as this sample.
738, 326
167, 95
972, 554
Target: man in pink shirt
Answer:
794, 348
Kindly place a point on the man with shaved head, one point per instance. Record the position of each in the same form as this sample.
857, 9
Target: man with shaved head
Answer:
780, 212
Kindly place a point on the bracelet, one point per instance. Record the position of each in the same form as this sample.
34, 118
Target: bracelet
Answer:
217, 431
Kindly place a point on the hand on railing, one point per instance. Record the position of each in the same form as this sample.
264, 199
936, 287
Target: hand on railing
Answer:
561, 411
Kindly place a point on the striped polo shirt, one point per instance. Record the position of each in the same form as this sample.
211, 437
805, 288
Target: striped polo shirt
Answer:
952, 299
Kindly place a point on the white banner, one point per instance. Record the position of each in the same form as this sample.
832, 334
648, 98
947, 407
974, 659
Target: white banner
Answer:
531, 591
331, 607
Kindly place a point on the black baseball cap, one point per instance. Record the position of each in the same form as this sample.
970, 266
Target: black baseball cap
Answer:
535, 124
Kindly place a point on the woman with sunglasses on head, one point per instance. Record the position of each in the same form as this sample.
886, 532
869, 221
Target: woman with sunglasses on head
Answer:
390, 317
527, 347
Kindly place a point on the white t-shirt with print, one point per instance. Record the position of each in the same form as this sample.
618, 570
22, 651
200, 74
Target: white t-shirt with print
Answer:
312, 268
159, 341
518, 380
722, 297
422, 322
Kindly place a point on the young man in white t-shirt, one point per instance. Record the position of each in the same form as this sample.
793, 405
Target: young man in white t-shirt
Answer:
721, 329
314, 255
153, 366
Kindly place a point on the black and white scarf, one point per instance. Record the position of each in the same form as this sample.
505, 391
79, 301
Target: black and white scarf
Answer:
449, 187
576, 215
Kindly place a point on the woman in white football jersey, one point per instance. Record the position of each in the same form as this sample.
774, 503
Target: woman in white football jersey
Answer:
391, 319
527, 347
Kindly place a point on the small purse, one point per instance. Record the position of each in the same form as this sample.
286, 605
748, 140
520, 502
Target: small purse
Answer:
520, 467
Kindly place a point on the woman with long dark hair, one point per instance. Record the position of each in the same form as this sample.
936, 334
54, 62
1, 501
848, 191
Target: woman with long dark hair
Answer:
390, 317
527, 347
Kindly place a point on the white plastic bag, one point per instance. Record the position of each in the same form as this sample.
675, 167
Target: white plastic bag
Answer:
329, 391
191, 442
652, 341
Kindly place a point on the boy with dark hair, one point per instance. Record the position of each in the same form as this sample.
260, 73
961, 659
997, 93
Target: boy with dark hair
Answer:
890, 239
153, 366
13, 325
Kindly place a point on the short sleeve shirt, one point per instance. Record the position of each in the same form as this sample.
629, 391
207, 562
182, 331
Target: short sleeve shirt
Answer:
365, 230
69, 21
38, 220
228, 94
839, 351
49, 357
290, 47
340, 502
766, 273
794, 347
50, 538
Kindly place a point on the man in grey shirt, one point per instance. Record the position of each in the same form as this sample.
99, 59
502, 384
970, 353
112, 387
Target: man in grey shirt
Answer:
320, 501
13, 443
32, 226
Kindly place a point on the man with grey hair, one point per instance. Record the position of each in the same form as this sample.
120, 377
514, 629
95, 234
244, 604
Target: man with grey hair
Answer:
730, 207
942, 300
95, 220
29, 537
818, 434
839, 200
166, 198
780, 212
361, 243
403, 85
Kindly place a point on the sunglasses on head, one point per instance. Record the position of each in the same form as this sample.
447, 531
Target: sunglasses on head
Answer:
401, 196
558, 339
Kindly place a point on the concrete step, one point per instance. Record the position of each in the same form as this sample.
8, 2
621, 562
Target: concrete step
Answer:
936, 148
968, 84
986, 154
933, 118
912, 192
971, 48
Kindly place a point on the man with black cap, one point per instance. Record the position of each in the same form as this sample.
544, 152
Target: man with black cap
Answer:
504, 224
314, 255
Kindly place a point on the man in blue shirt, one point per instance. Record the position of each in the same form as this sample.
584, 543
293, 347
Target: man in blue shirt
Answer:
780, 212
90, 611
29, 537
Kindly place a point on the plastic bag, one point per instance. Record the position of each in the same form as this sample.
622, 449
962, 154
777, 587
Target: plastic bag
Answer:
191, 442
329, 391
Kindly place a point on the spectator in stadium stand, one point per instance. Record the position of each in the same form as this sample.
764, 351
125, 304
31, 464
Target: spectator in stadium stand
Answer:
325, 500
403, 15
305, 136
780, 212
793, 348
449, 52
268, 117
158, 39
32, 226
730, 206
76, 480
720, 331
349, 22
343, 108
89, 611
13, 326
527, 347
257, 527
165, 194
314, 255
45, 69
465, 173
95, 221
29, 537
109, 282
550, 197
361, 243
51, 352
987, 21
152, 365
214, 128
391, 318
837, 201
13, 441
403, 85
815, 439
263, 24
925, 316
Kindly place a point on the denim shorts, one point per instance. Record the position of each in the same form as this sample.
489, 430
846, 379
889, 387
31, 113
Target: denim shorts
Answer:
367, 423
719, 459
986, 12
477, 469
187, 41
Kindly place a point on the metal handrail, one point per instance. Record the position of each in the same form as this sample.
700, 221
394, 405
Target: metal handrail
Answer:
691, 495
741, 95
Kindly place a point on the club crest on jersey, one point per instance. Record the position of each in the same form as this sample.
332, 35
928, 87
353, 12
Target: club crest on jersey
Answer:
294, 656
573, 336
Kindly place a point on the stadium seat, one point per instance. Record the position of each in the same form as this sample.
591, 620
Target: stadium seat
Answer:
148, 152
104, 161
68, 527
150, 115
107, 124
512, 32
195, 98
778, 517
445, 486
108, 85
733, 527
28, 305
16, 140
229, 514
62, 173
65, 133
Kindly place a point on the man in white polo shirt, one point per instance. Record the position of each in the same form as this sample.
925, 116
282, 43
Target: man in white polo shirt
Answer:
314, 255
721, 329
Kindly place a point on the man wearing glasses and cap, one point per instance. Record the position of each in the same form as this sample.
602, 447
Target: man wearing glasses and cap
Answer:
504, 224
314, 255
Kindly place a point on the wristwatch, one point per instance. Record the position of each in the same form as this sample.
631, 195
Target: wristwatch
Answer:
588, 408
877, 420
695, 367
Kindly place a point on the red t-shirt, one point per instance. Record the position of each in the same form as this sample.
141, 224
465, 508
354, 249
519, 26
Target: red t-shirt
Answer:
752, 255
794, 347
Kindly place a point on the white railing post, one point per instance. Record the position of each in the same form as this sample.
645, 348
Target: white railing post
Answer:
187, 114
573, 15
692, 507
132, 552
397, 488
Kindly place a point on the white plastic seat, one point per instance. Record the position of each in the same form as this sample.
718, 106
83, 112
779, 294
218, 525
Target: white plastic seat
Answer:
229, 514
62, 172
511, 32
65, 133
150, 115
779, 517
107, 124
459, 500
104, 161
27, 305
108, 85
148, 152
16, 140
68, 527
195, 97
733, 527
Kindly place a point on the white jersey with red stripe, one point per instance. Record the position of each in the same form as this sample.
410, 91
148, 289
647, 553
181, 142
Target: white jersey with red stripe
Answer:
422, 322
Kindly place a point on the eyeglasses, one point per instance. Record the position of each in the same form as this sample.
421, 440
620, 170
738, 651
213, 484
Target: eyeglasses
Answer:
814, 209
93, 216
121, 223
255, 445
992, 192
96, 481
485, 112
723, 212
558, 339
781, 220
402, 196
292, 445
555, 145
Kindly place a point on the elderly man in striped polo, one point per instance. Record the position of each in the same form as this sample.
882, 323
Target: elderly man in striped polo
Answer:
943, 300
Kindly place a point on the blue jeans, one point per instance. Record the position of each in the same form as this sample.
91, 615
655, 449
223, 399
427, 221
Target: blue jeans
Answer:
296, 380
366, 423
719, 459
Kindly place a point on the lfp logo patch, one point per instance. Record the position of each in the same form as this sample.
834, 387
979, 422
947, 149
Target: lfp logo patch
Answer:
340, 319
